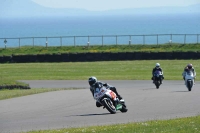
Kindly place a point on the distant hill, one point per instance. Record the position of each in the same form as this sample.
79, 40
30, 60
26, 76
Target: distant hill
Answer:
27, 8
159, 10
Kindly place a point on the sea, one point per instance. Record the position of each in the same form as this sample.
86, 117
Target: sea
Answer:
100, 30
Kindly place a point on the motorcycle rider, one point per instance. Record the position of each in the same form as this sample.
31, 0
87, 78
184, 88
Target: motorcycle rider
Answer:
94, 84
189, 67
157, 67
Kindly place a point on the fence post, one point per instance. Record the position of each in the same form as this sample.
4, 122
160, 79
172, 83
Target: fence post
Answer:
143, 39
88, 43
116, 40
129, 40
19, 42
46, 42
157, 39
185, 39
61, 41
74, 41
33, 42
171, 38
5, 41
102, 40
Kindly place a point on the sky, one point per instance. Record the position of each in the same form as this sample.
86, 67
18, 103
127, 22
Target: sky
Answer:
102, 5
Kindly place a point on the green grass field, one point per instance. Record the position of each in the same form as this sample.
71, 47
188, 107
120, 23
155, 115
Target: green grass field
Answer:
103, 70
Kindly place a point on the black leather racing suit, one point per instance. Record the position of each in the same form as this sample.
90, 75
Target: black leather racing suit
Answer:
155, 69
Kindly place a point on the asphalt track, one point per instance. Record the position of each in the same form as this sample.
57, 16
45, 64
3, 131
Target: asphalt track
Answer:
76, 108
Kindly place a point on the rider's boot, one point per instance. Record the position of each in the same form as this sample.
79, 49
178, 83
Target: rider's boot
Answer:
119, 97
153, 78
98, 104
115, 103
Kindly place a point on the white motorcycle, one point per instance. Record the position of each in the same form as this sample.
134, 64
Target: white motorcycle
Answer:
189, 80
108, 99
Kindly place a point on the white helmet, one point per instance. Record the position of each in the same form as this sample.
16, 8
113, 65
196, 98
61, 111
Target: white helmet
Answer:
157, 65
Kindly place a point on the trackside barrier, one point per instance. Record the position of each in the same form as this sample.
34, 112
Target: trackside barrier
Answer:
99, 40
86, 57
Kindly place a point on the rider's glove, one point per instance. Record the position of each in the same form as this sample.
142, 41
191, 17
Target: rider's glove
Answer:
105, 84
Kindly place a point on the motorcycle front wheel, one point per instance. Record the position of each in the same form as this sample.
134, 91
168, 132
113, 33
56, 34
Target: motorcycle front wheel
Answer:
157, 83
109, 106
189, 85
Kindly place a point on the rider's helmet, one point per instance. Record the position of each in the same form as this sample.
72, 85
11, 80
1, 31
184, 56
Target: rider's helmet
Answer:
189, 66
157, 65
92, 80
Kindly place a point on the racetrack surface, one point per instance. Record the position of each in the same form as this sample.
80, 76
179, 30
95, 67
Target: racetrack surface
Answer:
76, 108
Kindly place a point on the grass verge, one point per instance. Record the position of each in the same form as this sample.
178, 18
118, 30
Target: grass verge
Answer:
27, 50
179, 125
6, 94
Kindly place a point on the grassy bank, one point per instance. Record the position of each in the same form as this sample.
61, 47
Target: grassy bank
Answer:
7, 94
179, 125
25, 50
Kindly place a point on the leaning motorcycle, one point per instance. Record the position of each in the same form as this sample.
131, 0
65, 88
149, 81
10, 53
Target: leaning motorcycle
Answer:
189, 80
108, 99
157, 78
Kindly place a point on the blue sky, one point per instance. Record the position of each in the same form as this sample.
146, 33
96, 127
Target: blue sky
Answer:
101, 5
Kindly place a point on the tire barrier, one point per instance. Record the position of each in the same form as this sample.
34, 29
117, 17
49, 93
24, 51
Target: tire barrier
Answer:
11, 87
104, 56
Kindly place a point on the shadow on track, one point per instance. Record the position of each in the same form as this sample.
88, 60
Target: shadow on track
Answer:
180, 91
94, 114
149, 89
89, 114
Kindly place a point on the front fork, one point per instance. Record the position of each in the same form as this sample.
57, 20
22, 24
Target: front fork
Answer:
192, 82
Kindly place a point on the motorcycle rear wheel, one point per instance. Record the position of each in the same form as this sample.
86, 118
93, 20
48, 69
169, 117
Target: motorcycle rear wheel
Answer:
124, 109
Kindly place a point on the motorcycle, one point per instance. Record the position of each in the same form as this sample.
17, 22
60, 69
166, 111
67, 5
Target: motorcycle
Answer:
108, 99
189, 80
157, 78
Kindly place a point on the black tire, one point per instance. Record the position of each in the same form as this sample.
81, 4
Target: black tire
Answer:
189, 85
157, 84
124, 109
109, 106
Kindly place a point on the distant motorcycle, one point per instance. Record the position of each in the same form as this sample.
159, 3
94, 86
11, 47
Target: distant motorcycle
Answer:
108, 99
157, 78
189, 80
